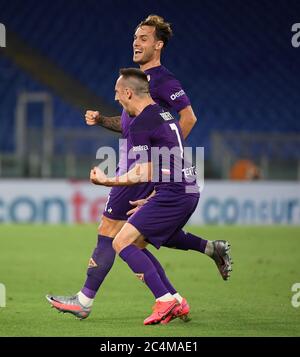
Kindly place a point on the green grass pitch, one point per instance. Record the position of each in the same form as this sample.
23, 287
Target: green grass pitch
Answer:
36, 260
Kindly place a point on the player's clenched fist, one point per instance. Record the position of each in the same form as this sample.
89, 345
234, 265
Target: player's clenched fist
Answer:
92, 117
97, 176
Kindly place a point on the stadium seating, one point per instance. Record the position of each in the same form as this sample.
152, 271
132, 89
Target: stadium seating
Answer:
237, 79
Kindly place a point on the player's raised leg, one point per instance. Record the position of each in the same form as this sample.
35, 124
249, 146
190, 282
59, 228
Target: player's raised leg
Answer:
218, 250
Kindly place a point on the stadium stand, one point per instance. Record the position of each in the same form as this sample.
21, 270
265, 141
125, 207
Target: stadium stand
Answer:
238, 80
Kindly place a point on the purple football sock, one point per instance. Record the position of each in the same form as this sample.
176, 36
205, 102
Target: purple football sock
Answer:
160, 271
143, 267
99, 266
186, 241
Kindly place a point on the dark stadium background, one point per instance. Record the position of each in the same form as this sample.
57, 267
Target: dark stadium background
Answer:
234, 58
239, 65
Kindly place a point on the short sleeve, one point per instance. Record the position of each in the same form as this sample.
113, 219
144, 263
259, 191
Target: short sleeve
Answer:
172, 93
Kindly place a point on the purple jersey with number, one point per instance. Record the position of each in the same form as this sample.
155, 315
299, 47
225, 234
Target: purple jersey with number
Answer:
165, 90
155, 136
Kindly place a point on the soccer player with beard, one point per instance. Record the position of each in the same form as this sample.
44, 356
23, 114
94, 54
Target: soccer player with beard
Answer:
150, 37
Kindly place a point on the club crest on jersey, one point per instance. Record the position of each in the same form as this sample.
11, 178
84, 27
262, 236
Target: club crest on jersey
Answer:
140, 276
92, 263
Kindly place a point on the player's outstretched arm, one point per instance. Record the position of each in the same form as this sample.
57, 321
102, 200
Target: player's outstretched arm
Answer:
139, 174
95, 118
187, 120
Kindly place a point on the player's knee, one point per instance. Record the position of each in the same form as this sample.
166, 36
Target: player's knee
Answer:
109, 227
99, 228
105, 231
116, 244
106, 227
140, 243
120, 242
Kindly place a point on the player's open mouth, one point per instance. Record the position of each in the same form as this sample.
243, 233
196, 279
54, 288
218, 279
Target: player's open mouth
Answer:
137, 51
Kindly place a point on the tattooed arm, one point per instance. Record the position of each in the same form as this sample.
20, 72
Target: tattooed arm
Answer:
111, 123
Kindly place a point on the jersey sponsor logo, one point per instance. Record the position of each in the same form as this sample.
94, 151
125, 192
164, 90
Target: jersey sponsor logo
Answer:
140, 148
177, 94
92, 263
166, 116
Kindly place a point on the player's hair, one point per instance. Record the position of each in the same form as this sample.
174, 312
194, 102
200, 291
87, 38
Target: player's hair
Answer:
136, 80
163, 31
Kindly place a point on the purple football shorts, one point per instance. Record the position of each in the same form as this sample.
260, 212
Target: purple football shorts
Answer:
118, 205
164, 214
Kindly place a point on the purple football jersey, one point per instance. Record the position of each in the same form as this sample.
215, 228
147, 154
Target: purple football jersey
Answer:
156, 136
167, 92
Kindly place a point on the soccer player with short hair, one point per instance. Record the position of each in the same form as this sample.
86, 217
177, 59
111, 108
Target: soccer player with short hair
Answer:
150, 37
161, 217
